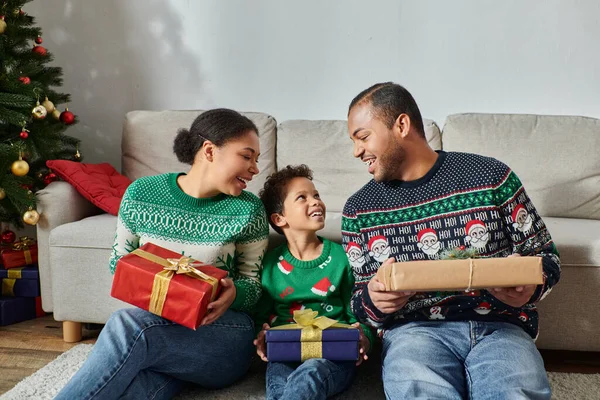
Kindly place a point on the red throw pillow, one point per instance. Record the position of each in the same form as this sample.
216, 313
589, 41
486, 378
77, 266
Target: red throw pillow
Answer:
101, 184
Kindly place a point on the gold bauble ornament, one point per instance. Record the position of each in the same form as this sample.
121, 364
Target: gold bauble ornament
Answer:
2, 194
2, 26
19, 168
31, 217
48, 105
39, 111
56, 114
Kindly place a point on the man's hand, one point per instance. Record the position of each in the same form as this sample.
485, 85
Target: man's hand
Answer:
363, 345
514, 296
259, 342
387, 302
222, 303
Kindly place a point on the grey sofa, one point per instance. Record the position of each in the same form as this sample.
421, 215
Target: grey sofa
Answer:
555, 156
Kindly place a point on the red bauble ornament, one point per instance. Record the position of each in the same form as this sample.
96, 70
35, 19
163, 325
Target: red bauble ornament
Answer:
67, 117
24, 135
38, 40
8, 237
39, 50
462, 247
25, 80
48, 179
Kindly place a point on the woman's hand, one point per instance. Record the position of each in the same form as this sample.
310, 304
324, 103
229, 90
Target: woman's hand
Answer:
222, 303
259, 342
363, 344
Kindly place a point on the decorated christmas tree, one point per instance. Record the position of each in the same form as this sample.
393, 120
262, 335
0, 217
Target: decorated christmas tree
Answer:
31, 123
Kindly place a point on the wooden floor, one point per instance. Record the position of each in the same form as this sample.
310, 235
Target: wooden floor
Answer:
28, 346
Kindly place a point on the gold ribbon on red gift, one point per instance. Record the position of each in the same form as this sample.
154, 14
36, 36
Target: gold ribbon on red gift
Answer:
311, 334
171, 266
8, 286
23, 244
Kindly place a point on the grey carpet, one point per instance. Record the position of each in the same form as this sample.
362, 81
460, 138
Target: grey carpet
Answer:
45, 383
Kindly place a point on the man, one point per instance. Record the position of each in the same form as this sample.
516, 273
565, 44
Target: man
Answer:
449, 345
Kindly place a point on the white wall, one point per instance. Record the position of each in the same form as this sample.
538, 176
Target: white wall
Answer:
308, 59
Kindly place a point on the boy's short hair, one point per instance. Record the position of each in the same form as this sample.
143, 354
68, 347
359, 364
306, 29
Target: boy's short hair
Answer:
275, 189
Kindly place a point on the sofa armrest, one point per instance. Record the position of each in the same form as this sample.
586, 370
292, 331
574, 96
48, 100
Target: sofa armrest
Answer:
58, 203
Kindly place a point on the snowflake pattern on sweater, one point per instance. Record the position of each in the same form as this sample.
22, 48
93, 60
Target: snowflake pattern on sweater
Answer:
464, 200
229, 232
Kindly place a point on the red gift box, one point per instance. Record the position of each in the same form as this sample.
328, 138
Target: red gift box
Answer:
165, 283
21, 253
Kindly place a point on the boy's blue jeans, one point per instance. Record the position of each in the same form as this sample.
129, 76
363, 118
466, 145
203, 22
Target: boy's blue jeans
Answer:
139, 355
313, 379
462, 360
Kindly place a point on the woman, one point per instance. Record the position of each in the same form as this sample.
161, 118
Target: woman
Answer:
204, 214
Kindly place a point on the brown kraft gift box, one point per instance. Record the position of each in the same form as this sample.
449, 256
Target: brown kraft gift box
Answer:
452, 275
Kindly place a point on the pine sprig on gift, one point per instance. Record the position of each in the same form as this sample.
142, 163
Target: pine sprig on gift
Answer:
459, 253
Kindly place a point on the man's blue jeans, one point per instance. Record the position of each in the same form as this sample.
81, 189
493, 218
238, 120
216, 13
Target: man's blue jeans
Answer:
313, 379
462, 360
139, 355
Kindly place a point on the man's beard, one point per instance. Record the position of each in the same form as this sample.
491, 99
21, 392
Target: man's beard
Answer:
390, 162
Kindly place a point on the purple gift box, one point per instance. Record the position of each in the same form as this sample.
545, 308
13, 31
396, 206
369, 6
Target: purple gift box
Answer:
337, 344
20, 287
29, 272
22, 281
16, 309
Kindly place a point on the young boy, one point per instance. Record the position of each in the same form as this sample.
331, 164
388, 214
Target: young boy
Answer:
306, 272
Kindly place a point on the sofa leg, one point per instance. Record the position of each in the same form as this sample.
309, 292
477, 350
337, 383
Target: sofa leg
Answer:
71, 331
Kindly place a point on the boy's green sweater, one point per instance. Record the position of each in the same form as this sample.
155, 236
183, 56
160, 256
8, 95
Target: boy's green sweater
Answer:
323, 285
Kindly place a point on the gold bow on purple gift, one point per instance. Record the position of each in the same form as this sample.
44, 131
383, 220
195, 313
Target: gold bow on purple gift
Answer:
311, 334
172, 266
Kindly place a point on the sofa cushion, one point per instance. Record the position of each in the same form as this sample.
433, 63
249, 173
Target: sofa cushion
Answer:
147, 144
97, 232
325, 146
101, 184
577, 240
556, 157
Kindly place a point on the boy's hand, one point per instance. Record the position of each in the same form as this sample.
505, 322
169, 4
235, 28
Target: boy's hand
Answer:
363, 345
222, 303
259, 342
387, 302
514, 296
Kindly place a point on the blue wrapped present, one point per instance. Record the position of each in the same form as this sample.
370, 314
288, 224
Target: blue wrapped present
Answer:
22, 281
29, 272
17, 309
20, 287
312, 337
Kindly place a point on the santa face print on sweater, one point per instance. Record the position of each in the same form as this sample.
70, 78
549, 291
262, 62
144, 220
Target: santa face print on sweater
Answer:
355, 255
477, 234
522, 220
379, 248
428, 242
